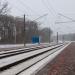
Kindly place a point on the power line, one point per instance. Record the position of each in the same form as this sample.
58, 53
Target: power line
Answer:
51, 6
25, 10
71, 20
27, 7
40, 17
18, 9
66, 17
47, 7
64, 22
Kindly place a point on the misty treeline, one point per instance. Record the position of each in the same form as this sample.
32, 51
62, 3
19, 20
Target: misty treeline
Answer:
64, 37
12, 28
68, 37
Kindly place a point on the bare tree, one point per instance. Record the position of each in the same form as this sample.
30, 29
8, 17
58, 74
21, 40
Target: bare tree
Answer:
3, 7
45, 34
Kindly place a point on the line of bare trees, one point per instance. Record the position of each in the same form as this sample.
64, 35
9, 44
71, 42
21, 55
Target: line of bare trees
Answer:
12, 28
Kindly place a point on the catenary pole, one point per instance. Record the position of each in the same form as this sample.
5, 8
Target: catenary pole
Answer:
57, 37
24, 31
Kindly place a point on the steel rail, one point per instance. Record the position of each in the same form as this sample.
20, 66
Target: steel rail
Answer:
6, 67
21, 51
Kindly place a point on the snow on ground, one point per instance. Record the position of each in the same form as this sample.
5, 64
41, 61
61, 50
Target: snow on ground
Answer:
20, 45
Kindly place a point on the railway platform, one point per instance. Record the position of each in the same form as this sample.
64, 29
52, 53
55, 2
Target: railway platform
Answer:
63, 64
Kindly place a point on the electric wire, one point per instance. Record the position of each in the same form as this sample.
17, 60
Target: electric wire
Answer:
27, 7
49, 3
66, 17
44, 3
71, 20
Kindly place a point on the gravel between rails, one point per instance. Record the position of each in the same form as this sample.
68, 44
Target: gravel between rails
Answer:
63, 64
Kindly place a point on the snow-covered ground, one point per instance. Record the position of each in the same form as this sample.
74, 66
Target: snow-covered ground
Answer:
9, 45
27, 45
20, 45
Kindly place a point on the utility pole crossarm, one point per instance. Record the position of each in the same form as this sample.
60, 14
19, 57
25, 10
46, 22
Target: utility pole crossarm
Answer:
40, 17
71, 20
66, 17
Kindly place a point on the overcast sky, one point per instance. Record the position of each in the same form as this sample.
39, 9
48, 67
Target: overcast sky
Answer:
35, 8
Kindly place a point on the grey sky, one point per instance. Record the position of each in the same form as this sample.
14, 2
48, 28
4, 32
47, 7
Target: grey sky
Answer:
35, 8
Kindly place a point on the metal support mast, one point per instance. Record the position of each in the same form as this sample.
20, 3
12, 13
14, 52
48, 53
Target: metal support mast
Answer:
24, 31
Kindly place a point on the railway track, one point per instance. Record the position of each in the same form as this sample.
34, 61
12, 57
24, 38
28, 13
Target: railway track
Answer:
18, 48
7, 53
15, 62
